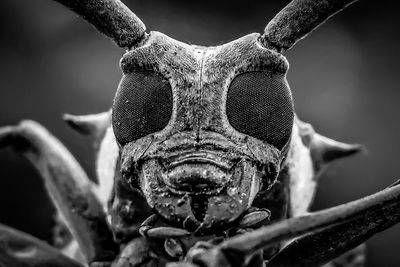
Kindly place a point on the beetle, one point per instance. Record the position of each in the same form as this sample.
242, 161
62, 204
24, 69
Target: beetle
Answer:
189, 154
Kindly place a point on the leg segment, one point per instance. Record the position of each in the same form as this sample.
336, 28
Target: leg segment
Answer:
326, 234
18, 249
67, 184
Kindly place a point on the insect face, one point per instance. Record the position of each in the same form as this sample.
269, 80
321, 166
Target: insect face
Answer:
202, 130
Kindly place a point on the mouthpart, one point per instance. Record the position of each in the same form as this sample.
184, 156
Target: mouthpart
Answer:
199, 192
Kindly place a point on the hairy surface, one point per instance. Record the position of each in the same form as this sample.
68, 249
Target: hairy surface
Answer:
112, 18
298, 19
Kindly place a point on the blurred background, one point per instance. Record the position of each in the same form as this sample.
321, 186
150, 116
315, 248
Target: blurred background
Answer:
344, 79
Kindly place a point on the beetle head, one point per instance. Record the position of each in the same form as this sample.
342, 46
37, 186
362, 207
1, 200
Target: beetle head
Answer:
202, 130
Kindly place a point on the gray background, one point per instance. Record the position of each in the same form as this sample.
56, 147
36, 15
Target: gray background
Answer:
344, 78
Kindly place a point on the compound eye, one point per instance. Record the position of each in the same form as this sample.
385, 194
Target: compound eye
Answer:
142, 105
259, 104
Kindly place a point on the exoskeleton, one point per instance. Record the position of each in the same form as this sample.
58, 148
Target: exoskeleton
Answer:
201, 160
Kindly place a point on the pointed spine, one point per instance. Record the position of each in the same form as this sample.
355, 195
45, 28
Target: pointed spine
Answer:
325, 150
94, 125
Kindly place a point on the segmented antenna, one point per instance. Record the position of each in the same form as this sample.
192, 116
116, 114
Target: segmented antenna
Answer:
298, 19
112, 18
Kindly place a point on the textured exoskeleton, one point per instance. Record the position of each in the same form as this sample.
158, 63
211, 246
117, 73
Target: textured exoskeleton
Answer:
201, 160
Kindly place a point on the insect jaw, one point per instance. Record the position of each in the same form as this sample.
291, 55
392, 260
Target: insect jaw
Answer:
197, 172
196, 179
199, 203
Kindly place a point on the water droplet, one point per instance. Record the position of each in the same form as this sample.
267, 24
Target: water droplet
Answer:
153, 185
232, 191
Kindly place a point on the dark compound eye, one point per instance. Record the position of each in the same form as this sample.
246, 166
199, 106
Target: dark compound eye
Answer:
260, 104
142, 105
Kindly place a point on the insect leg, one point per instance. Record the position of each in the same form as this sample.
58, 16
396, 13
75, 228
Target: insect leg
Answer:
19, 249
335, 230
67, 184
318, 248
